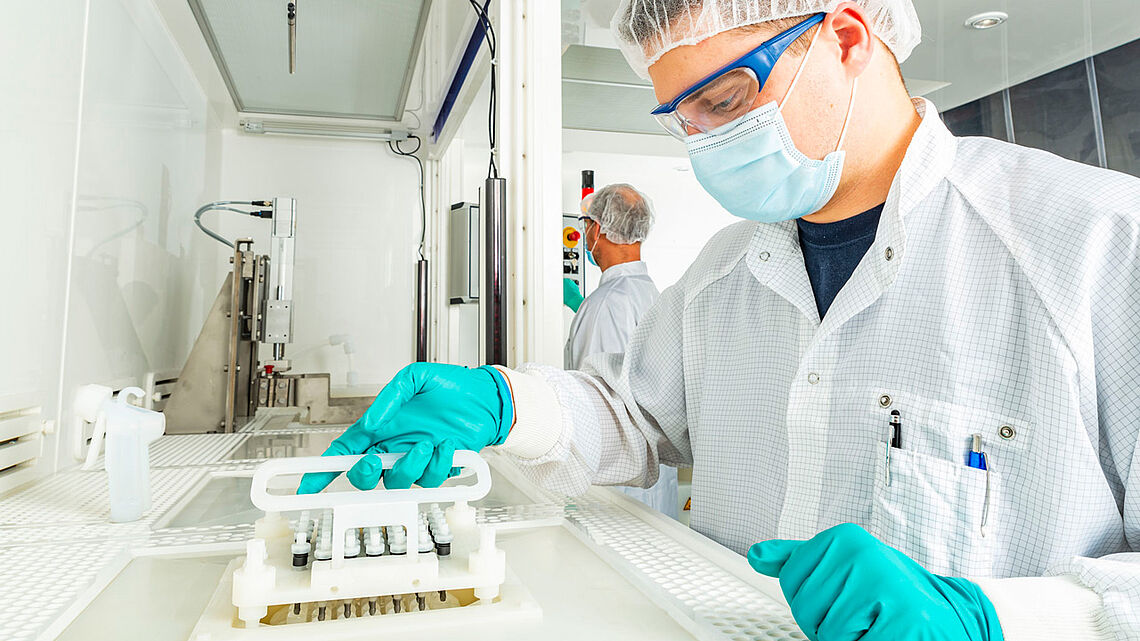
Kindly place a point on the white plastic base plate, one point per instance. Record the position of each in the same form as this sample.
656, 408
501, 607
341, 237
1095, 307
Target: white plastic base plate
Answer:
514, 606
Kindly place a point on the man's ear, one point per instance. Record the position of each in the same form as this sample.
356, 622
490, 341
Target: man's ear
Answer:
848, 26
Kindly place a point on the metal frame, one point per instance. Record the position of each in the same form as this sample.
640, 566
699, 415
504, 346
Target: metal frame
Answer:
215, 51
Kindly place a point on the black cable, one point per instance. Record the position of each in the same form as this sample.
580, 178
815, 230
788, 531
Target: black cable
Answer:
492, 47
394, 146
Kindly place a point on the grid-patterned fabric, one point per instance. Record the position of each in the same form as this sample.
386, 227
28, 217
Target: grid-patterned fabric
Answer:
1001, 297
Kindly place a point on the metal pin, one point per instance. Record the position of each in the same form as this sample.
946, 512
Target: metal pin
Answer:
443, 595
347, 609
396, 603
296, 608
321, 613
986, 505
421, 601
371, 607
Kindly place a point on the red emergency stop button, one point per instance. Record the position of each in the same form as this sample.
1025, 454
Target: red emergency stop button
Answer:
570, 237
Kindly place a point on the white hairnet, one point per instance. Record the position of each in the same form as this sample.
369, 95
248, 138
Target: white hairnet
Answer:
647, 29
623, 214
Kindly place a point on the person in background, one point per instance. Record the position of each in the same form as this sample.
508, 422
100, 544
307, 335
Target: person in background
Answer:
617, 221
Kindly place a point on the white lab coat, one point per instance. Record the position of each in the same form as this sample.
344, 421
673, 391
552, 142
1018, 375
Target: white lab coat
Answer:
604, 323
1001, 297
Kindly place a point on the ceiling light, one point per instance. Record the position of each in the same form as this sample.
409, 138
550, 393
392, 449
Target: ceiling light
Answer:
987, 20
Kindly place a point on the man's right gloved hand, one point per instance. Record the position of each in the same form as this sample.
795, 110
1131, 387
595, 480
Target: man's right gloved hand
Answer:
571, 295
428, 410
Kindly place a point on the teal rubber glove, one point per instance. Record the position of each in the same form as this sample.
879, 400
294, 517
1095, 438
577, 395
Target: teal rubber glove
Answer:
844, 584
571, 295
428, 410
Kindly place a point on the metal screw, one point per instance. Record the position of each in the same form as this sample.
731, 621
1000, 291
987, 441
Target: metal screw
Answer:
884, 401
1007, 432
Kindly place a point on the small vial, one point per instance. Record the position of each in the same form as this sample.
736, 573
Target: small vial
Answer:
351, 544
324, 549
443, 538
305, 525
373, 542
300, 549
425, 543
397, 540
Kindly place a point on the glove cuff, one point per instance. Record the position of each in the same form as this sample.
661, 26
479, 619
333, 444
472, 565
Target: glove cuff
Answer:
538, 415
1043, 608
507, 405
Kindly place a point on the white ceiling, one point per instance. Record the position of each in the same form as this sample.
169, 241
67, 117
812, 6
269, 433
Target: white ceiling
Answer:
1040, 36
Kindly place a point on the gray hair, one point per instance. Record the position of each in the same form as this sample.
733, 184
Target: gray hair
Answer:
623, 214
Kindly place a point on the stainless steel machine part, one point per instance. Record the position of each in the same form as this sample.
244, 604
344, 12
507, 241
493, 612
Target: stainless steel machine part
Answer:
495, 305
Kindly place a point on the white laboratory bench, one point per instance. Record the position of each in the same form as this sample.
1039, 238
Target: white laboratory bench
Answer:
601, 565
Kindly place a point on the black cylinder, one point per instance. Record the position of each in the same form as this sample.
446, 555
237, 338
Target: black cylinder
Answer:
495, 289
422, 310
587, 179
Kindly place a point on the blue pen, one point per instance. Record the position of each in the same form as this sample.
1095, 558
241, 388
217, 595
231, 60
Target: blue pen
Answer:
977, 458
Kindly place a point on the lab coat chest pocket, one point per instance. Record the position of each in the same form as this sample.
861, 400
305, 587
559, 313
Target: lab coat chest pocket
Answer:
941, 513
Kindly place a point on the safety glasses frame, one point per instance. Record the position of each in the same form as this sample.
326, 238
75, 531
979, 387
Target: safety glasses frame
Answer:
760, 61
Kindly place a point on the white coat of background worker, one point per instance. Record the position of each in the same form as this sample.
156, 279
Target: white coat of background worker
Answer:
617, 221
995, 309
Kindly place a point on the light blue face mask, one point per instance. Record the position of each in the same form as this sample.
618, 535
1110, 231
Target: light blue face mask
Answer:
586, 247
754, 170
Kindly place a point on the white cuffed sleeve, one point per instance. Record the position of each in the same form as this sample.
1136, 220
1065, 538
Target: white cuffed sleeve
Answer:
1045, 608
538, 416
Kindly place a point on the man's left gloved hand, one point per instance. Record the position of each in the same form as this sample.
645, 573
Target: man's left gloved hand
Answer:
844, 584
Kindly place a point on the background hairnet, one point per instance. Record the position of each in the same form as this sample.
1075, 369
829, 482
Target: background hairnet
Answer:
647, 29
623, 214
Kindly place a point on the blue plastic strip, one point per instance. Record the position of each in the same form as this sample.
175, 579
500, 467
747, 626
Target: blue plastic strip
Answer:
459, 78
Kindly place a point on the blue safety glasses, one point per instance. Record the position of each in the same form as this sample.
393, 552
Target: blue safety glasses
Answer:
729, 92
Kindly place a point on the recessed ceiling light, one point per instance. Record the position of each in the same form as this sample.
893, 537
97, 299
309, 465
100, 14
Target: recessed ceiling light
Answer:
987, 20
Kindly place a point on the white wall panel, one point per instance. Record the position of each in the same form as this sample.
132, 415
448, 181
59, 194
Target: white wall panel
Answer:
42, 44
358, 228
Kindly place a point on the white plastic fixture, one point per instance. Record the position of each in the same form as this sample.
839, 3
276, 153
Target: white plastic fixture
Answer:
128, 431
268, 576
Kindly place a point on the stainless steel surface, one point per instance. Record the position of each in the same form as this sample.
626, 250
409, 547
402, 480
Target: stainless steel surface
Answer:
313, 394
495, 305
291, 16
422, 310
240, 264
463, 254
198, 400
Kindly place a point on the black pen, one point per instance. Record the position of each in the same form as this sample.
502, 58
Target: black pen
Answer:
896, 430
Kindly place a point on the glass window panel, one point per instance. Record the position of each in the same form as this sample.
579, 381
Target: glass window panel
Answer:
983, 117
1118, 83
1054, 113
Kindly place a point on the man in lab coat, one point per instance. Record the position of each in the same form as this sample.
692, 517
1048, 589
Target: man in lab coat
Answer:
924, 426
618, 220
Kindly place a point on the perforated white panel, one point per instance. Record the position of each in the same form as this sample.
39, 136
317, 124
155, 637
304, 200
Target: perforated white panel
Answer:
57, 539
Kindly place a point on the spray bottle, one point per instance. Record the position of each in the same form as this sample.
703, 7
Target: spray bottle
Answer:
128, 430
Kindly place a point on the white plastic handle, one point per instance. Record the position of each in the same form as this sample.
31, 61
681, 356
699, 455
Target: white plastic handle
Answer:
259, 491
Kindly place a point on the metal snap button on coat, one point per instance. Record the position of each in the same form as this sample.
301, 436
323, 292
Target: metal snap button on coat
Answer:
884, 401
1007, 432
813, 378
764, 256
890, 253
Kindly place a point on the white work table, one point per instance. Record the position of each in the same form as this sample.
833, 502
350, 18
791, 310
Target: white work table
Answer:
601, 565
